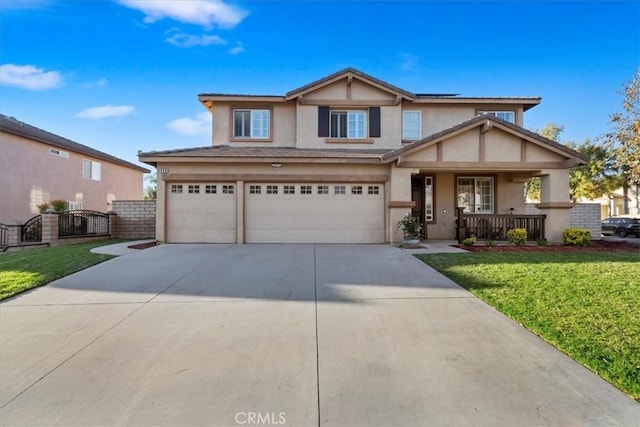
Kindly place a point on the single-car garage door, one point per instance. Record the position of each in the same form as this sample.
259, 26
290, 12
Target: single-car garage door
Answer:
314, 213
201, 212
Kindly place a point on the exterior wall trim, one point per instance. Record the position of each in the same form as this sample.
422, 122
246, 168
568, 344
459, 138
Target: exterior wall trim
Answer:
273, 178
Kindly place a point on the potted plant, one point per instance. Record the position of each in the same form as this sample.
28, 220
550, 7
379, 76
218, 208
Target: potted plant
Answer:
411, 228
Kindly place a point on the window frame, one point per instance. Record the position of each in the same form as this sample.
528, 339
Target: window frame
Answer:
476, 178
252, 137
94, 170
432, 185
496, 112
348, 135
404, 125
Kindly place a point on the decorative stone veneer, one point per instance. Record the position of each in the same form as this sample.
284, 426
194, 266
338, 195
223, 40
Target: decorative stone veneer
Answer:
133, 219
582, 215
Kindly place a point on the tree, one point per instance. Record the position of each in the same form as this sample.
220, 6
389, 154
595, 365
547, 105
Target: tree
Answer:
597, 178
624, 138
151, 190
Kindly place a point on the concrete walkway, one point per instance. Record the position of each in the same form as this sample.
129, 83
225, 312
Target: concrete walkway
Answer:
290, 334
120, 249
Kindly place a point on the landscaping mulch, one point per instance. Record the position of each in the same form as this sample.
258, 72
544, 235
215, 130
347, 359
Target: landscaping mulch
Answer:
143, 245
596, 246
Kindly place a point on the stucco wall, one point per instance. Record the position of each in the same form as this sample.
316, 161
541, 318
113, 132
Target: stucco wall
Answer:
30, 175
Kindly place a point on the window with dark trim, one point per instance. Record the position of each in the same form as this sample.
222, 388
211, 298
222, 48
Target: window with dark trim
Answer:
349, 123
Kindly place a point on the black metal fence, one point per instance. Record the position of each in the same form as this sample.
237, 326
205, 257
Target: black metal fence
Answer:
82, 223
32, 230
4, 235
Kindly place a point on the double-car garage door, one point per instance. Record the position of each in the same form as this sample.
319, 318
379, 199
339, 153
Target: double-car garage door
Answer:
276, 212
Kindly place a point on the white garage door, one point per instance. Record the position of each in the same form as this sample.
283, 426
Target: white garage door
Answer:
201, 212
314, 213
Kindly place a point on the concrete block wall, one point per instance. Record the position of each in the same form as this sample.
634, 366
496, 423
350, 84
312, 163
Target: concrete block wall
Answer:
134, 219
582, 215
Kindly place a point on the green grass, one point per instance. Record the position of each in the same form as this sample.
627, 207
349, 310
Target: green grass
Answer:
586, 304
30, 268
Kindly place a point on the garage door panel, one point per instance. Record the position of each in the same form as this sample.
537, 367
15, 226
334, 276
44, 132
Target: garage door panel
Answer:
201, 213
337, 217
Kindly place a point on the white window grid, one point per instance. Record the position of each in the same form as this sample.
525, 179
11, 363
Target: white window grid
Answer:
210, 189
227, 189
289, 189
323, 189
305, 189
255, 189
176, 188
193, 189
339, 189
356, 189
373, 189
272, 189
411, 125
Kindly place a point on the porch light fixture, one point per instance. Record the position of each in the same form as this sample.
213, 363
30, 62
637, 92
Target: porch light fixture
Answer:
276, 165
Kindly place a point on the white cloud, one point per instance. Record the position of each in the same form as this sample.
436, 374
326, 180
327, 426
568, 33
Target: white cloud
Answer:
100, 83
198, 126
96, 113
238, 48
29, 77
199, 12
189, 40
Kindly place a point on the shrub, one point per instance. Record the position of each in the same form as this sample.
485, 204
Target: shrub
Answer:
576, 236
542, 242
517, 236
59, 205
469, 241
410, 226
489, 242
42, 207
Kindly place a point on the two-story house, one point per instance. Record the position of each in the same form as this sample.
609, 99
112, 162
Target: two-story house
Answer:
37, 167
344, 158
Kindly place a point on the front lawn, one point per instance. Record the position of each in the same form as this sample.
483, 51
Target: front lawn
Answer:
586, 304
27, 269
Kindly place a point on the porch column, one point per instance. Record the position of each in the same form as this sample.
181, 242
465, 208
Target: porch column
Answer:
555, 202
399, 201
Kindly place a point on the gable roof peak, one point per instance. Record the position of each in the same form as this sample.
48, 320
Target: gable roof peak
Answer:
348, 72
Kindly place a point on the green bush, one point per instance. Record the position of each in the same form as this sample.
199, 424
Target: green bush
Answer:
469, 241
59, 205
490, 242
517, 236
576, 236
42, 207
542, 242
410, 226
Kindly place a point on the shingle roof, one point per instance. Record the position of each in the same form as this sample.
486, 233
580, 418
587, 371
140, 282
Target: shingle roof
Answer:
225, 151
16, 127
390, 156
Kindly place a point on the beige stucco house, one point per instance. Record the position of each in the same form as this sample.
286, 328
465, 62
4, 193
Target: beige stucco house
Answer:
344, 158
37, 166
616, 203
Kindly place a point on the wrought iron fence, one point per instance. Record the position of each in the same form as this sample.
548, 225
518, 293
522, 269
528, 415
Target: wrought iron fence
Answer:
4, 235
32, 230
82, 223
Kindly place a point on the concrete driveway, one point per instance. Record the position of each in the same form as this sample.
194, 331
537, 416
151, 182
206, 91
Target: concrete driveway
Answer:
282, 334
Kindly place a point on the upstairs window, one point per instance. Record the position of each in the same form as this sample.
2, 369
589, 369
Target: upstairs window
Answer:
252, 124
411, 125
507, 116
91, 170
349, 124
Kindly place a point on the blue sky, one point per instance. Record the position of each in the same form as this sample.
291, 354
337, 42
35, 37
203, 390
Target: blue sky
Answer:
124, 75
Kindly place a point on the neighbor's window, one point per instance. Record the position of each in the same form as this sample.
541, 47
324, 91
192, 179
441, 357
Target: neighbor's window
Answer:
74, 205
91, 170
411, 125
508, 116
428, 198
348, 124
253, 124
475, 194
